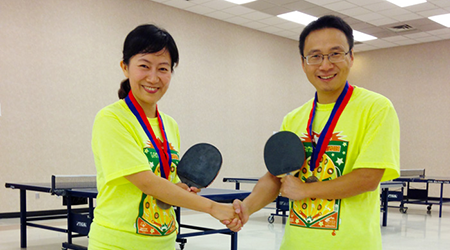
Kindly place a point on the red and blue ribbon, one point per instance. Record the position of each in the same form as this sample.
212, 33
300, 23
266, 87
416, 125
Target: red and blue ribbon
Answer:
163, 150
327, 132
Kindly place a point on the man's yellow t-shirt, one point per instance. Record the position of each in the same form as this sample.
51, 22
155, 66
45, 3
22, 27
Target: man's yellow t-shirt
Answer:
367, 135
126, 218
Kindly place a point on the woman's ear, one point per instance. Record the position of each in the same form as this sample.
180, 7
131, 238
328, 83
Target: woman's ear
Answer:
124, 68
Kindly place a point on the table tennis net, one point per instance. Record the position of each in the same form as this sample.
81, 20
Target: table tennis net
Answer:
73, 181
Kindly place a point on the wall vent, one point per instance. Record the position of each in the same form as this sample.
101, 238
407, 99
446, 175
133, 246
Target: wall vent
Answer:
401, 28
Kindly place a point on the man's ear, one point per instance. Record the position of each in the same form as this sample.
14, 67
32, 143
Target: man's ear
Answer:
303, 63
352, 53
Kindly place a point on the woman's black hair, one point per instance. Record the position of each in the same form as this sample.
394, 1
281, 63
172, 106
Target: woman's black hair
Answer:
146, 39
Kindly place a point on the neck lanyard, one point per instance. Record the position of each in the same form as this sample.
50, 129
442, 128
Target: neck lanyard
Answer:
327, 132
163, 150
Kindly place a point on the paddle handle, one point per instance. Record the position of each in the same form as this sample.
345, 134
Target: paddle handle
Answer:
290, 173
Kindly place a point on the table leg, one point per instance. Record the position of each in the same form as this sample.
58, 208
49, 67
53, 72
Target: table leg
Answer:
441, 200
23, 218
385, 205
234, 238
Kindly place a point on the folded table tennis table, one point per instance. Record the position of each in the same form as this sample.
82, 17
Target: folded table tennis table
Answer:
78, 223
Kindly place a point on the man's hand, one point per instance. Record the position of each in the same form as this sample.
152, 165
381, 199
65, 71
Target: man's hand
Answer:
293, 188
242, 214
187, 188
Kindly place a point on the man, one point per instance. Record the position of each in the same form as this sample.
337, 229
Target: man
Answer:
335, 196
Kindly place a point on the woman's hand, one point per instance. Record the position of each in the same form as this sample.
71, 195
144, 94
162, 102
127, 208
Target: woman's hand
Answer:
225, 213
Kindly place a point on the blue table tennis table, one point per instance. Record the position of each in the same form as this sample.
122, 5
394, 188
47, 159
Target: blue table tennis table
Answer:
78, 223
282, 203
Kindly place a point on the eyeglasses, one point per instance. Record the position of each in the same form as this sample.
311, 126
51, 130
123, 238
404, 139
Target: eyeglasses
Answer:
334, 57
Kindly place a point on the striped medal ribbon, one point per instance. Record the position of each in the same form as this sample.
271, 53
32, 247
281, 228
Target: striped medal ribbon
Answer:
163, 150
327, 132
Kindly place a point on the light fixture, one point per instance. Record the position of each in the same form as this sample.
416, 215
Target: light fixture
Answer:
406, 3
361, 37
240, 1
298, 17
441, 19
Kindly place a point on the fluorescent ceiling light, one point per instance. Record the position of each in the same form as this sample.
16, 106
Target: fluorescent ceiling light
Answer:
442, 19
298, 17
361, 37
240, 1
406, 3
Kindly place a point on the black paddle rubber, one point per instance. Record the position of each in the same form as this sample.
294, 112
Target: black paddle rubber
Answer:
200, 165
284, 153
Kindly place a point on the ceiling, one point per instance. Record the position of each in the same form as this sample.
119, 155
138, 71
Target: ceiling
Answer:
373, 17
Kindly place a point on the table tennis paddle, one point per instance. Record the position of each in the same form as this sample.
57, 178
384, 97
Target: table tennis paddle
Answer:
198, 167
284, 153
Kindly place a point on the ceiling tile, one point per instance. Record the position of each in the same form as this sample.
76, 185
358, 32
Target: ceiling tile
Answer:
407, 17
270, 29
219, 4
279, 2
321, 2
369, 17
256, 15
342, 5
355, 11
439, 31
238, 10
299, 5
179, 4
441, 3
364, 47
317, 11
421, 7
259, 5
382, 21
365, 2
255, 25
276, 10
394, 12
199, 9
289, 26
428, 39
406, 42
417, 35
219, 15
237, 20
380, 6
197, 1
380, 43
273, 21
434, 12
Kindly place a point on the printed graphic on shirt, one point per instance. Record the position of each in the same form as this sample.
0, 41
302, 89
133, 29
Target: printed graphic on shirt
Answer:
320, 213
153, 220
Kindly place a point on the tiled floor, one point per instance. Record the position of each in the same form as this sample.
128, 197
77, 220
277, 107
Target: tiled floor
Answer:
414, 230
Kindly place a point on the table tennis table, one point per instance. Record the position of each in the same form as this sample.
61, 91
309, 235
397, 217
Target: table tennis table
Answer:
420, 195
79, 220
282, 203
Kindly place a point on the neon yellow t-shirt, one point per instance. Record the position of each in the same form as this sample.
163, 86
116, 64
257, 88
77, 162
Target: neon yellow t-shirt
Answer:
126, 218
367, 135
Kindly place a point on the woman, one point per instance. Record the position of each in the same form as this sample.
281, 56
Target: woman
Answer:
136, 150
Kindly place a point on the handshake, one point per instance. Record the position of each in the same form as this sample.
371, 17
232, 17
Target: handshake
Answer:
234, 215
